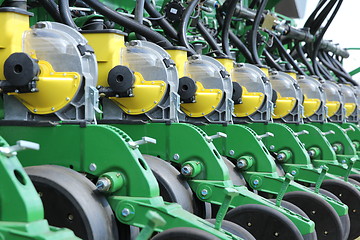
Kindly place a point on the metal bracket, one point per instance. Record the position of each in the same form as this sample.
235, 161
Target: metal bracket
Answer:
267, 134
327, 133
229, 195
345, 130
155, 220
20, 145
320, 179
144, 140
285, 185
217, 135
301, 133
348, 170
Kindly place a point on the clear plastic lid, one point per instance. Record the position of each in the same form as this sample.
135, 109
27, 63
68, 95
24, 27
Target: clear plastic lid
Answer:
283, 84
332, 92
348, 94
144, 60
55, 47
310, 88
205, 72
249, 76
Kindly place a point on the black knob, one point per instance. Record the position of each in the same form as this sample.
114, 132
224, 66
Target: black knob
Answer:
121, 79
187, 88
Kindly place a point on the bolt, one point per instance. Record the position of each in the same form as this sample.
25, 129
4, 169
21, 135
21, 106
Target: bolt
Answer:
103, 184
272, 147
67, 99
33, 89
241, 163
187, 170
125, 212
176, 156
256, 182
281, 156
311, 153
52, 109
343, 161
92, 167
293, 172
16, 91
232, 152
70, 217
35, 110
204, 192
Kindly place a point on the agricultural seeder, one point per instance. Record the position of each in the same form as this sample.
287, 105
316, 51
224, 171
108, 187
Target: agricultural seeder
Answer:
174, 119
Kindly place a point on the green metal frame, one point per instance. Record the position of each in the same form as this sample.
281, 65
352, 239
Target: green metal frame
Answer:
181, 143
97, 150
21, 210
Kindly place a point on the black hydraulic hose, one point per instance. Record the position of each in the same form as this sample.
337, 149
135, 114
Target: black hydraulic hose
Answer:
139, 15
303, 59
129, 23
209, 38
65, 13
185, 18
163, 23
324, 72
337, 72
312, 16
315, 26
288, 57
241, 46
316, 45
51, 7
226, 26
338, 65
254, 32
271, 62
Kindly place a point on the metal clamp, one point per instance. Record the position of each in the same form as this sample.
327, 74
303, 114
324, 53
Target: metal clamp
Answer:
144, 140
321, 177
267, 134
20, 145
345, 130
155, 220
285, 185
327, 133
217, 135
301, 133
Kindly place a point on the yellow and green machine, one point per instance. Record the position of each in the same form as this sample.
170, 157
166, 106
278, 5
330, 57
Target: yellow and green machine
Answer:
175, 119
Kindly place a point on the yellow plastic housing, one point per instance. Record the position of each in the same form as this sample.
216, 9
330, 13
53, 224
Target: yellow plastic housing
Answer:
251, 102
56, 90
333, 107
311, 105
292, 74
107, 48
350, 108
227, 63
147, 94
12, 27
284, 105
207, 100
180, 58
265, 70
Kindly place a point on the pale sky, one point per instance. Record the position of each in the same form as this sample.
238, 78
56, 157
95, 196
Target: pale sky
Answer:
343, 30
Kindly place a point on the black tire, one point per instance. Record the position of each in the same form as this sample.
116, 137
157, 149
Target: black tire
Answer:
71, 200
317, 208
184, 233
355, 177
345, 220
350, 196
234, 229
264, 223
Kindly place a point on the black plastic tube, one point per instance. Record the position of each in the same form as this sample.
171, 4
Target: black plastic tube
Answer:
51, 7
209, 38
185, 18
303, 59
139, 15
271, 62
288, 57
226, 26
241, 46
163, 23
65, 13
129, 23
254, 32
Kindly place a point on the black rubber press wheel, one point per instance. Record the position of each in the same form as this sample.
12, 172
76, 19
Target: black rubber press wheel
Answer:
184, 233
264, 223
327, 221
234, 229
355, 177
350, 196
70, 200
